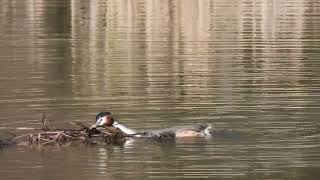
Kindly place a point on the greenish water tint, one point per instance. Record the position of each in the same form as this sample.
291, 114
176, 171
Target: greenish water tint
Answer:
249, 68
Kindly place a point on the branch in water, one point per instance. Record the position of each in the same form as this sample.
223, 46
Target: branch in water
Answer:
43, 118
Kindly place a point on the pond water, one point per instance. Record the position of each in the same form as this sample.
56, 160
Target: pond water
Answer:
249, 68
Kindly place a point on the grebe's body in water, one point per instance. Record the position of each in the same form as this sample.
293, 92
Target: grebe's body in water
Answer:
196, 130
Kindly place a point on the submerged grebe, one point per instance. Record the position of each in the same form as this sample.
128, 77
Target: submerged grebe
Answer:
196, 130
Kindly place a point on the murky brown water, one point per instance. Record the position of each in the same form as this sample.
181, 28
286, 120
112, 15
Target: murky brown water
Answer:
250, 68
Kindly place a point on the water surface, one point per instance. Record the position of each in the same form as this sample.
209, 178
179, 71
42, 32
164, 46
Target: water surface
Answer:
250, 68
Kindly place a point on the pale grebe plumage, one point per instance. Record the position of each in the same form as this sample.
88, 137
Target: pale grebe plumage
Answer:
196, 130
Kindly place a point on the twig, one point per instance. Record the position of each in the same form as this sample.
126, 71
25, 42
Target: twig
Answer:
80, 124
43, 118
25, 135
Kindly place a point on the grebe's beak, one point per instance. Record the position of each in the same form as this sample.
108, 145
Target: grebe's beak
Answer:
93, 126
100, 122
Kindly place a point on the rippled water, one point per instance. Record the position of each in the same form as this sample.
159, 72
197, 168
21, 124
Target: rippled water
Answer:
250, 68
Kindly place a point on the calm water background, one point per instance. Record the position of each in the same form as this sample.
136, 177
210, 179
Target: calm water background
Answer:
250, 68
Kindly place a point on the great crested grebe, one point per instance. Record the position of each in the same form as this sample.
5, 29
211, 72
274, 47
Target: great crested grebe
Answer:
196, 130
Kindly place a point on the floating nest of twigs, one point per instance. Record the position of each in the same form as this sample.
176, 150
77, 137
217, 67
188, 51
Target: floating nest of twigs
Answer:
47, 136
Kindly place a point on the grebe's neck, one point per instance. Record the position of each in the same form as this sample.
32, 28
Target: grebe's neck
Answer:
124, 128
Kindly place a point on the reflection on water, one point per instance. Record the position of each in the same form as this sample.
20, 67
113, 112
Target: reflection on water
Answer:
250, 68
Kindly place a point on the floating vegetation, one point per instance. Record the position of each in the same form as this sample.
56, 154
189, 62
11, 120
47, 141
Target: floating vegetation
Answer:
4, 142
64, 136
50, 135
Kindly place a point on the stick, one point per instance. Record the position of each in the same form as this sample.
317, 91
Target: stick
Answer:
43, 118
80, 124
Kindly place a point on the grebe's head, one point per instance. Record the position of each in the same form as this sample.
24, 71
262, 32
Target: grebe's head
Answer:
103, 119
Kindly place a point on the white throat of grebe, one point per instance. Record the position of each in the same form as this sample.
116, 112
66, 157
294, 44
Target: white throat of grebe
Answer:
124, 128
